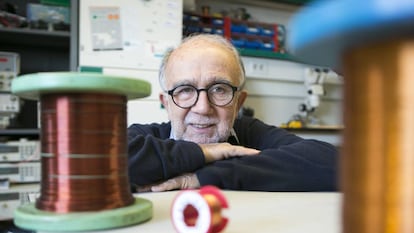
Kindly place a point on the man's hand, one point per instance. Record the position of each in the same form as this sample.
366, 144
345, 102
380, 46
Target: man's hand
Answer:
185, 181
219, 151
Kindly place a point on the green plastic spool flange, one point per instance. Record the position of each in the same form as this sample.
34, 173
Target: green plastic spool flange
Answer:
31, 86
29, 217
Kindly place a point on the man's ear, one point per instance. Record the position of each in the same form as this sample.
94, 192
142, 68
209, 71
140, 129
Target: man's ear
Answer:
163, 99
241, 99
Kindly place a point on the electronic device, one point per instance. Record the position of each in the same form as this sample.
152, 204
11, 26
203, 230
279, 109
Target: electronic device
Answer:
18, 151
15, 196
24, 172
9, 68
9, 104
314, 80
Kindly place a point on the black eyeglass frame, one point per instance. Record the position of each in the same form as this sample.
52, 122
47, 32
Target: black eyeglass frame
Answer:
233, 88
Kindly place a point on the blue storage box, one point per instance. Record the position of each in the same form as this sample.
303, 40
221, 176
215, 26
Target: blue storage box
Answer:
253, 44
238, 28
253, 30
239, 43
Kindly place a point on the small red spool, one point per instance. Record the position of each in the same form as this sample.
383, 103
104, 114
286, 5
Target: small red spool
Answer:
199, 211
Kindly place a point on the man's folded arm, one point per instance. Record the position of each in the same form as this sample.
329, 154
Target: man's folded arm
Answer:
152, 160
307, 165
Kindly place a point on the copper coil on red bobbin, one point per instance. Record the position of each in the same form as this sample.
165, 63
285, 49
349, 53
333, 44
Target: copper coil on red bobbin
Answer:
199, 210
84, 183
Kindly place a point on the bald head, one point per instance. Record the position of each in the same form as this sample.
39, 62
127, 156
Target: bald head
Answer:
200, 42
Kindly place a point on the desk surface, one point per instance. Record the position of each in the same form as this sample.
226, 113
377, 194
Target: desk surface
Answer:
282, 212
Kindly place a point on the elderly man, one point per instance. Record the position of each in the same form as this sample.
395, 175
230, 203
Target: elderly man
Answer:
206, 143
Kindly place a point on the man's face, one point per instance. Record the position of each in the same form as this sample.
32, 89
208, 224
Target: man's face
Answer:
201, 65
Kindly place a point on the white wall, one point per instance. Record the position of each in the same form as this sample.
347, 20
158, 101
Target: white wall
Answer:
148, 109
276, 93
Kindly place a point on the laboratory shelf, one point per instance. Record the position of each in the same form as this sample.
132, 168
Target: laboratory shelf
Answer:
20, 132
267, 54
27, 36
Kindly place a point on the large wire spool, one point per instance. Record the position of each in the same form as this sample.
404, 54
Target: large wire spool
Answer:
84, 183
372, 42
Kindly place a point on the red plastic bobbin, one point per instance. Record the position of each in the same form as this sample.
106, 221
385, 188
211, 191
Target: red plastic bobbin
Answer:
199, 210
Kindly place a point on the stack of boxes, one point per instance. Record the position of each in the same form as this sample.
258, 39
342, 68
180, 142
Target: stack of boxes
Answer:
20, 174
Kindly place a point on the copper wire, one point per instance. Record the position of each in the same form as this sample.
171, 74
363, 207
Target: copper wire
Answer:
84, 152
378, 152
215, 207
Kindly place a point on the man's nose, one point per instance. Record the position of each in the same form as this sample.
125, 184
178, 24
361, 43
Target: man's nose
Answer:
202, 105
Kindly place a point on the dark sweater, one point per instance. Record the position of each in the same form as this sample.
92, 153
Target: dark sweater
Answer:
286, 162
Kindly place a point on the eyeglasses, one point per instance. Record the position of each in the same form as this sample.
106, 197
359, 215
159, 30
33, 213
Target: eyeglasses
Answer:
218, 94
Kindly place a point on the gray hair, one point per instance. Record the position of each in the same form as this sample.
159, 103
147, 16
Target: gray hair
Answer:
214, 39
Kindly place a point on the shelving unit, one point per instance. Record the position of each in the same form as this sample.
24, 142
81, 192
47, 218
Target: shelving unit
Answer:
267, 54
31, 37
251, 38
207, 19
39, 51
16, 134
